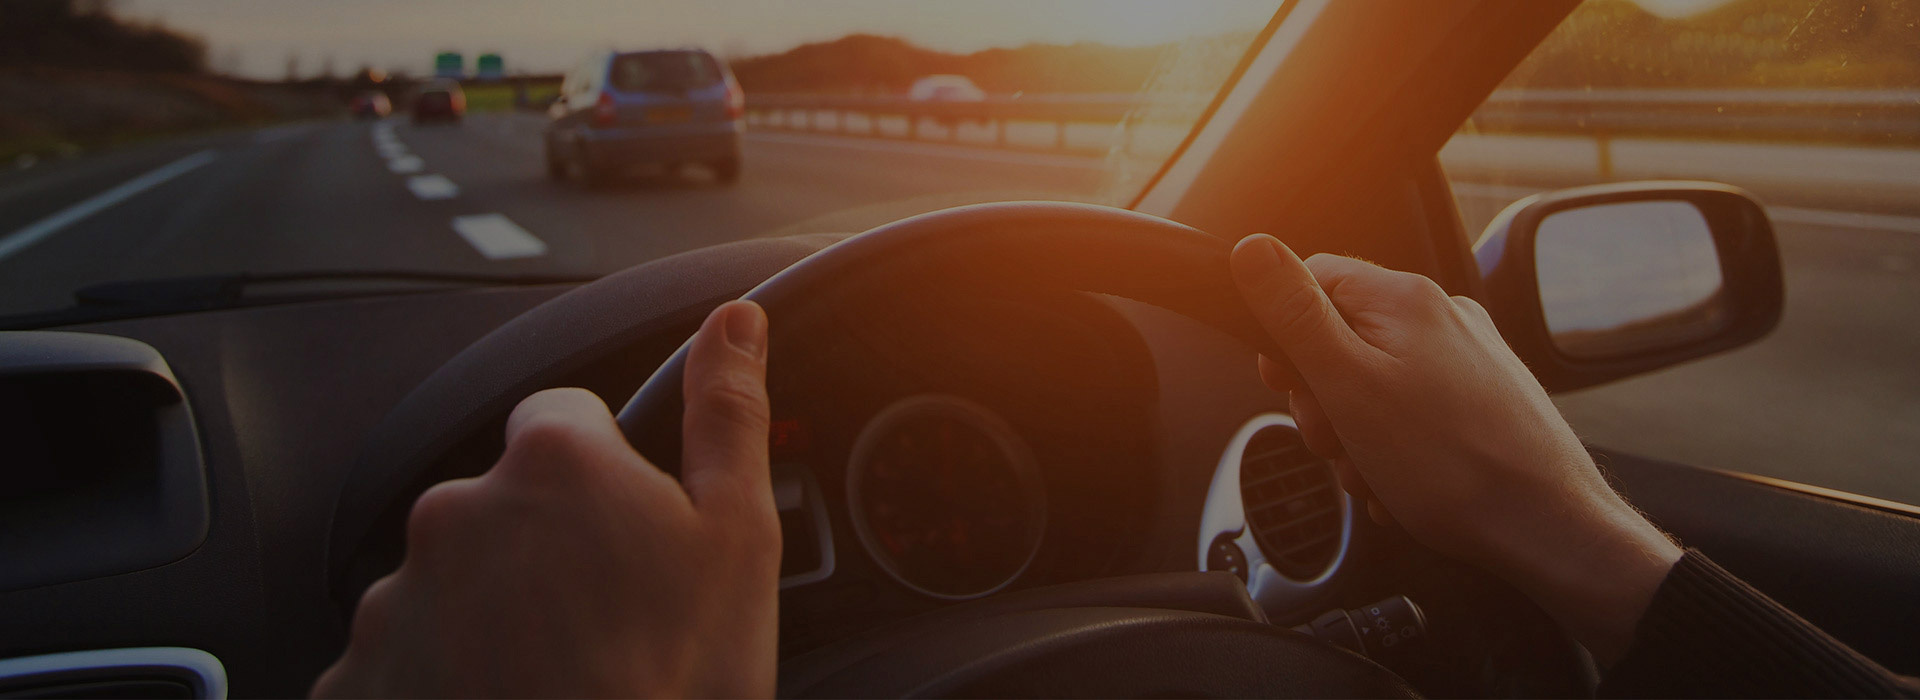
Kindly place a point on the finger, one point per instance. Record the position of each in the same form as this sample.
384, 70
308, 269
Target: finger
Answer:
577, 410
1314, 426
1355, 286
1279, 375
563, 431
1290, 305
1336, 271
724, 458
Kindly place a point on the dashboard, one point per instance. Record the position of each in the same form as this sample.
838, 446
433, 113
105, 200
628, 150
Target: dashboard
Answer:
933, 445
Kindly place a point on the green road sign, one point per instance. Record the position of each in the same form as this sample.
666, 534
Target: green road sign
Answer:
449, 64
489, 66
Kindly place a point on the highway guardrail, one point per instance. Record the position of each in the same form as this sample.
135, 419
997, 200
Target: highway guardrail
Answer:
1885, 117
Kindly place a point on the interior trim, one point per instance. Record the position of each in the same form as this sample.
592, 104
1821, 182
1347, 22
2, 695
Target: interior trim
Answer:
203, 670
1225, 513
1895, 507
159, 522
796, 489
1163, 193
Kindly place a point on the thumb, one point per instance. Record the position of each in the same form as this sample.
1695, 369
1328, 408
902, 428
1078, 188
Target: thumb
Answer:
1289, 304
724, 435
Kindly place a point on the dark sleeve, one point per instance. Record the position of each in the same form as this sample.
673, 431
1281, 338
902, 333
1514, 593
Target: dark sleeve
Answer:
1709, 634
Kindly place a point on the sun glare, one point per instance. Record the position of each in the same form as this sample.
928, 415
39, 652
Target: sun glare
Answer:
1675, 9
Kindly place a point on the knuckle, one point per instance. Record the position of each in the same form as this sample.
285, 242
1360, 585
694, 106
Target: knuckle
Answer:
546, 447
1472, 308
1298, 311
737, 399
1422, 288
371, 617
547, 434
438, 511
1418, 292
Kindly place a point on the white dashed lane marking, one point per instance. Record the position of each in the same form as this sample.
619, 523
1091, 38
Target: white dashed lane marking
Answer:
406, 164
432, 187
497, 237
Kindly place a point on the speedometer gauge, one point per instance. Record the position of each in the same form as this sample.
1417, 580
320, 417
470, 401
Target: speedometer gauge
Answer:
946, 497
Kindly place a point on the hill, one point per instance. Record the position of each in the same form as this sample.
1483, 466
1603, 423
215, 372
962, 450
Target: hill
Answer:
864, 63
1742, 44
86, 34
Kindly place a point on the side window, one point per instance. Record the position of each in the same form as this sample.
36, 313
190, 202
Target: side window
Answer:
1814, 106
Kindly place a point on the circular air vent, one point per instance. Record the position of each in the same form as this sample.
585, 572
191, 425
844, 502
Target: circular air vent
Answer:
1292, 503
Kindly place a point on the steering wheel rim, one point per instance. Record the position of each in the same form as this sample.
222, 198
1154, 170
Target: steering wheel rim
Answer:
1085, 247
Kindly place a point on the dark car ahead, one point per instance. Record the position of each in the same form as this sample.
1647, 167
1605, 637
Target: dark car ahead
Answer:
370, 105
439, 101
622, 110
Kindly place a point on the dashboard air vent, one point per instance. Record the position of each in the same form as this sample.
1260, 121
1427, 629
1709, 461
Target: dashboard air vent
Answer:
1292, 503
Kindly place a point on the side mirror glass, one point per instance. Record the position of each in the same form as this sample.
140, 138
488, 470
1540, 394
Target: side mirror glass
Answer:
1629, 277
1592, 284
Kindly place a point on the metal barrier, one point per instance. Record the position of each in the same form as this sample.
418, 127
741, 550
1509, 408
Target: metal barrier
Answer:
1888, 117
800, 111
1881, 117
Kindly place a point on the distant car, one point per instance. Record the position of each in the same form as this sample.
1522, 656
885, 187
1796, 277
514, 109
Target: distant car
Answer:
371, 105
439, 101
621, 110
945, 88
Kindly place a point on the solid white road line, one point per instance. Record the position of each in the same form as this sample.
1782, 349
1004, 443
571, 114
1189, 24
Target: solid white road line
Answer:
432, 187
405, 164
497, 237
1788, 215
1509, 192
962, 152
39, 230
1845, 219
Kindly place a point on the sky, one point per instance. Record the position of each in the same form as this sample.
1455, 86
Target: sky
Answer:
257, 37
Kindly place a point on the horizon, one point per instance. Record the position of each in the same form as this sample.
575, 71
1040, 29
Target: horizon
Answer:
259, 39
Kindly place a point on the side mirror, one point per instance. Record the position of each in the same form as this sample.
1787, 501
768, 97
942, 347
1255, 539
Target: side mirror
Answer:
1593, 284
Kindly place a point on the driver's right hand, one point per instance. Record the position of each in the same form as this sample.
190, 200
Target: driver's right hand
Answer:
1433, 421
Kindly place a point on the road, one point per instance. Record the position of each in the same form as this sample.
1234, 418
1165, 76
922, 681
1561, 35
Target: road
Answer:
1832, 398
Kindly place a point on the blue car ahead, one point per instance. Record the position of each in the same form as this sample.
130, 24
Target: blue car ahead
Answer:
621, 110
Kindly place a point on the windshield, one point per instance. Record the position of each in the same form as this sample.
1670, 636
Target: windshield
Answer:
663, 71
153, 140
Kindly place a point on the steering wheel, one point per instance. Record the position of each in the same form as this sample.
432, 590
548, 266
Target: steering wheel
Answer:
1082, 247
1172, 634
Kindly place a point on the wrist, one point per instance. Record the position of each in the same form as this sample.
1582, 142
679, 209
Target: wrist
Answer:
1597, 574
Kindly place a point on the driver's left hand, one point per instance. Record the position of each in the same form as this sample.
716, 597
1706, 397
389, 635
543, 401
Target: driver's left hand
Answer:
576, 568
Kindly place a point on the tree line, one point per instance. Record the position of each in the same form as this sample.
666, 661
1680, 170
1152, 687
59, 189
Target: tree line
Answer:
87, 34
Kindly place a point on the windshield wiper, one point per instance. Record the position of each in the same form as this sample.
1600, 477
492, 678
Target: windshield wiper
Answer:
169, 295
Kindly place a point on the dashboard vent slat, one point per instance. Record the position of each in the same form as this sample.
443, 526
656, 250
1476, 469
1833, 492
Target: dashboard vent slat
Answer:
1291, 503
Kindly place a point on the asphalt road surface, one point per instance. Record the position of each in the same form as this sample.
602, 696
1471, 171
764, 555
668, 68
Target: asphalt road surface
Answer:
1832, 398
